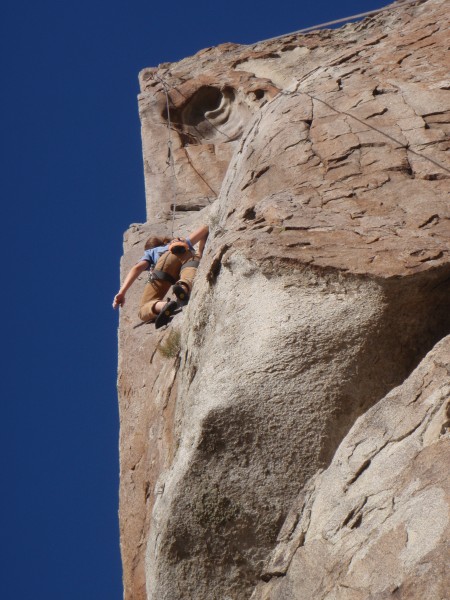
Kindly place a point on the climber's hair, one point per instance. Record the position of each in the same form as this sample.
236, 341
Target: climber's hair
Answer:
155, 241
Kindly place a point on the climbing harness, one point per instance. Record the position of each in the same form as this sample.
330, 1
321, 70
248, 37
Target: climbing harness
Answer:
150, 278
178, 247
190, 264
161, 276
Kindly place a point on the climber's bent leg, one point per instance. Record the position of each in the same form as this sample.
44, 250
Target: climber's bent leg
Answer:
182, 289
153, 293
168, 266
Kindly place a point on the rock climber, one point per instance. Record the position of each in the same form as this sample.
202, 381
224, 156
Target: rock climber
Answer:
171, 262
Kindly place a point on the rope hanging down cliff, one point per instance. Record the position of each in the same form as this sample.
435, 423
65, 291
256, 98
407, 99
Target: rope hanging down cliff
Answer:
166, 86
170, 160
363, 122
170, 157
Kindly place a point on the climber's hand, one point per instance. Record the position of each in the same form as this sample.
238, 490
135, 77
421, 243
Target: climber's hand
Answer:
119, 300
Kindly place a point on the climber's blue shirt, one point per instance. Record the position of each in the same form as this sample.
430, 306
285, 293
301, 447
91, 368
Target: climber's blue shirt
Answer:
152, 255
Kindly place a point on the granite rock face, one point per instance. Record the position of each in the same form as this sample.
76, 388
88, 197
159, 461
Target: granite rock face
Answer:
376, 523
321, 164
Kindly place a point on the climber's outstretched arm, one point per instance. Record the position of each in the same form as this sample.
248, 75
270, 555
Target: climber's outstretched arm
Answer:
200, 236
119, 298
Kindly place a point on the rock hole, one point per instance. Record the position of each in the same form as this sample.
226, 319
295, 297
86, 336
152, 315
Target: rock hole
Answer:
206, 99
191, 207
249, 214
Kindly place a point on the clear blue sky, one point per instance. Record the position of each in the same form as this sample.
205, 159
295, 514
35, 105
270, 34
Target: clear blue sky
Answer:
72, 182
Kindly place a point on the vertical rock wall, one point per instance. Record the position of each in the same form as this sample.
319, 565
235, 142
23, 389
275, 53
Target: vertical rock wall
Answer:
321, 164
376, 524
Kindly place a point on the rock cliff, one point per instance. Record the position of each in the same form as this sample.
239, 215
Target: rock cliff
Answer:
286, 436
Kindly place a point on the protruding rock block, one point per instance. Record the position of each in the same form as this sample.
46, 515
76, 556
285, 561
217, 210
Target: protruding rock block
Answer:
200, 121
378, 518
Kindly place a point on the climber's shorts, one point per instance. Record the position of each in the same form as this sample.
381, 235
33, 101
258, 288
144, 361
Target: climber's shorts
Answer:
156, 290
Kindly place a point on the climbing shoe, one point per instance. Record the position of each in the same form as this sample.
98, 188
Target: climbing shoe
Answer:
181, 294
166, 314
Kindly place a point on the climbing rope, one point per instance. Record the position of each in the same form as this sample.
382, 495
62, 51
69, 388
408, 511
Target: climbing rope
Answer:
387, 135
341, 112
170, 159
166, 87
337, 21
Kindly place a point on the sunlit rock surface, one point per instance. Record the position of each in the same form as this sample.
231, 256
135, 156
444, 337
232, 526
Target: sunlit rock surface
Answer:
321, 164
376, 523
